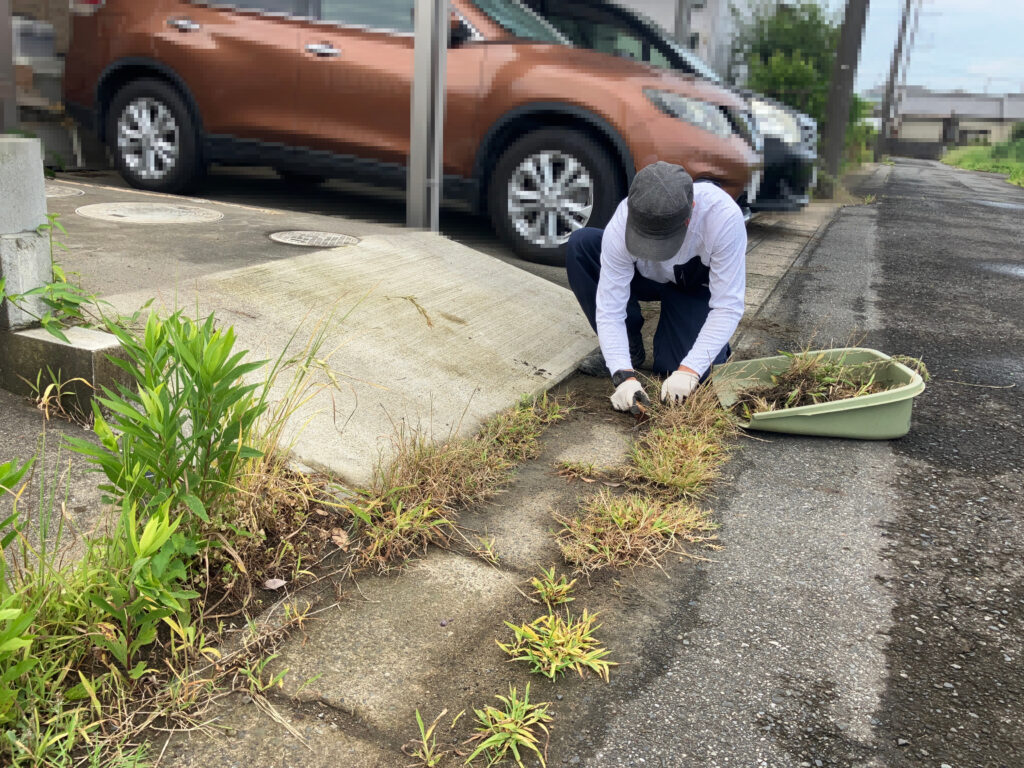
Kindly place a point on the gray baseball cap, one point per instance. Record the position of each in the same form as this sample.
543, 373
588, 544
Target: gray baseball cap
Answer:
659, 208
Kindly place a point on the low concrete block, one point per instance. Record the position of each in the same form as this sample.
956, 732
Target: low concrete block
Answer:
84, 363
22, 186
25, 264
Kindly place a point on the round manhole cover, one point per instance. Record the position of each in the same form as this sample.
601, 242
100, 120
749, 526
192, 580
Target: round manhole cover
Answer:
313, 239
59, 190
149, 213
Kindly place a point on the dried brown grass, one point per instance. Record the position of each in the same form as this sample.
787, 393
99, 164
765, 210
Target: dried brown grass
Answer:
630, 530
413, 500
683, 447
811, 379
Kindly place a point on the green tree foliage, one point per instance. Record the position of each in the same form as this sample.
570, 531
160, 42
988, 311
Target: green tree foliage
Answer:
791, 79
789, 50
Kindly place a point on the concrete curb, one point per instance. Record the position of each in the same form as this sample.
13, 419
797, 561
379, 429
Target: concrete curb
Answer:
82, 367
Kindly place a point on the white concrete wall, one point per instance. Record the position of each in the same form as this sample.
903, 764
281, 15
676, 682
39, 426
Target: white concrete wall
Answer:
923, 130
930, 129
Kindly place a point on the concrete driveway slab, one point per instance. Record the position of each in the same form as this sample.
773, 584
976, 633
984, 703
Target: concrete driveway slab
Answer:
420, 333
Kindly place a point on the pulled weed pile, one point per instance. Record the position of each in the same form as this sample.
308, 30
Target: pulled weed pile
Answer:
809, 380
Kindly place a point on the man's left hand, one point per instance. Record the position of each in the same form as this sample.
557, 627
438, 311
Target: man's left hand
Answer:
679, 386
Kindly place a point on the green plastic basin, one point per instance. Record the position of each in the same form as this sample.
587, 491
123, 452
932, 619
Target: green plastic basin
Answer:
880, 416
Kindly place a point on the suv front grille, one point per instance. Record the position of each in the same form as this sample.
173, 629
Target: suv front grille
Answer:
809, 135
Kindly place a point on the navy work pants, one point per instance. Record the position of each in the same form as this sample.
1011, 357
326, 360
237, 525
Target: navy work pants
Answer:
683, 312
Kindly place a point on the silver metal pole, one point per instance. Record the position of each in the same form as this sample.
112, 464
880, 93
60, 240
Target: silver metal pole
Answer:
426, 146
8, 96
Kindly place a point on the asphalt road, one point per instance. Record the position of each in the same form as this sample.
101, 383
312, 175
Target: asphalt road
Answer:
867, 608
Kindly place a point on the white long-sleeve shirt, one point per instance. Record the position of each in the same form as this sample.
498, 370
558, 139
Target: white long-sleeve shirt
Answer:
718, 235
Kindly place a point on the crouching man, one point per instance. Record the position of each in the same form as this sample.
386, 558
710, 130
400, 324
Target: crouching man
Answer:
672, 242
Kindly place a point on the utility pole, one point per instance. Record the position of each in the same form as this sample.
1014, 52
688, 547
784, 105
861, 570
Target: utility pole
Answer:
881, 144
426, 145
840, 92
897, 116
682, 26
8, 93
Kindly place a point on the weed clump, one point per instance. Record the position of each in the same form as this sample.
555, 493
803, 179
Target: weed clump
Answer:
552, 645
514, 727
682, 450
457, 472
552, 588
630, 530
393, 531
413, 500
426, 749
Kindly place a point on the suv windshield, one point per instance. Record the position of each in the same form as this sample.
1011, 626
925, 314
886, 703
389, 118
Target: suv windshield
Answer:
520, 21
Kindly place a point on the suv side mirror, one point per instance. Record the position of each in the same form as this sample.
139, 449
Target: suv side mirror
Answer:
458, 32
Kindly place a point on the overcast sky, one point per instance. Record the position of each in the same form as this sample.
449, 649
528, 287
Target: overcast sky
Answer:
969, 44
959, 43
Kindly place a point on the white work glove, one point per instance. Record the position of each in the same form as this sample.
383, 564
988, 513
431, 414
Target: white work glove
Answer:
627, 393
678, 387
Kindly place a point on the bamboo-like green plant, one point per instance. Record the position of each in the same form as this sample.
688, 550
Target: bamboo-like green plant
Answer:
181, 432
143, 585
513, 729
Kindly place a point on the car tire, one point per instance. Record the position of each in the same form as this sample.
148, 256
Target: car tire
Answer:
153, 137
592, 180
297, 180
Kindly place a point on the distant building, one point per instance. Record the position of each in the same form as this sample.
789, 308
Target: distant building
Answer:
943, 118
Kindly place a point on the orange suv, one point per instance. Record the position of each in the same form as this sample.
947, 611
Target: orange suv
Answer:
542, 136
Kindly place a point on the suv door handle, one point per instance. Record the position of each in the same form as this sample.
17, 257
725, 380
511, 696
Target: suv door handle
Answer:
323, 49
184, 25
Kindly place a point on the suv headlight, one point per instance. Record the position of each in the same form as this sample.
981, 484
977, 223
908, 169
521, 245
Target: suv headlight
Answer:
776, 122
701, 114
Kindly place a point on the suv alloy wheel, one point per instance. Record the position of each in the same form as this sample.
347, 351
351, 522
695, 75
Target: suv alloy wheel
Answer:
547, 185
153, 137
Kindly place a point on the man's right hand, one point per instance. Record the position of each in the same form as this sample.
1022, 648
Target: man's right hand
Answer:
627, 393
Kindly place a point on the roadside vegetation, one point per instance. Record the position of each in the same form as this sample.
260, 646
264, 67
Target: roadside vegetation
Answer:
206, 525
1007, 157
414, 499
512, 730
553, 645
206, 522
